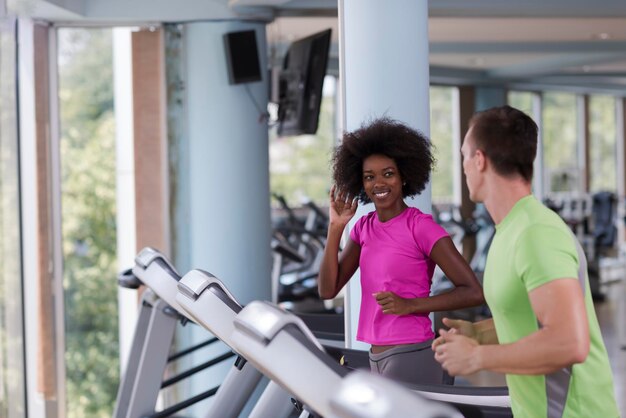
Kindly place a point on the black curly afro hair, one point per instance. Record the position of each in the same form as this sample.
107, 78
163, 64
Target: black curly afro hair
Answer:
409, 148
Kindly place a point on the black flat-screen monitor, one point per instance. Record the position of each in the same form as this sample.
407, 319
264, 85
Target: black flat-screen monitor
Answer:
300, 84
242, 57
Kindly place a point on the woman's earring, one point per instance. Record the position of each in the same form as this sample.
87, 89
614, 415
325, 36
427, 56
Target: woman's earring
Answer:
404, 184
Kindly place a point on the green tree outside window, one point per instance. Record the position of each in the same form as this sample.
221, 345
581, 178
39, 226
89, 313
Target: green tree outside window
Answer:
88, 221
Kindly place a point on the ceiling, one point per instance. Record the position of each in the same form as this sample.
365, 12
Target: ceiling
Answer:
535, 51
574, 44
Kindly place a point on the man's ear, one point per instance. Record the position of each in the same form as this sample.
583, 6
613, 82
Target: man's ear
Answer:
480, 160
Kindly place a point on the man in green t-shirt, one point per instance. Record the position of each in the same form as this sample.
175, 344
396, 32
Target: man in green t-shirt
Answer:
544, 333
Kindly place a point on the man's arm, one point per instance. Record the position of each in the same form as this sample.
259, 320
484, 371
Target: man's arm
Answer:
562, 340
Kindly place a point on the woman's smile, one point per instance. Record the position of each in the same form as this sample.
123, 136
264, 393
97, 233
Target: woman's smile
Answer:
382, 183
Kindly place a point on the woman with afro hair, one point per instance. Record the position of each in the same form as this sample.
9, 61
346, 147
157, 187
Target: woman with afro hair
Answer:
396, 248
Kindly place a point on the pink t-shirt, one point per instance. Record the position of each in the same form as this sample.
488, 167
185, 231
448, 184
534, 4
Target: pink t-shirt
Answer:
395, 257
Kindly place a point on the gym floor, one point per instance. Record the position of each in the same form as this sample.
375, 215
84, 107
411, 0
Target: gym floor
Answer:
607, 316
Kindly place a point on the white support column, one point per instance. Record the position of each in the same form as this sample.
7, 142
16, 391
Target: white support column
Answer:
125, 183
620, 163
538, 180
620, 150
55, 200
228, 164
28, 173
12, 376
221, 174
582, 139
381, 77
457, 164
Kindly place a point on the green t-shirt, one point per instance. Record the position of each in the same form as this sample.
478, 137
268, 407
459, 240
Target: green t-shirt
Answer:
531, 247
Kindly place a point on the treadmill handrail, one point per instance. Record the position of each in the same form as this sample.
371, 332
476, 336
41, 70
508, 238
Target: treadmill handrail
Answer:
156, 272
463, 390
497, 396
500, 401
148, 255
264, 320
468, 395
197, 281
265, 337
365, 395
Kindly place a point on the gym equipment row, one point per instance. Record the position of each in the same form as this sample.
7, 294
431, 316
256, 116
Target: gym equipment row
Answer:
270, 341
298, 241
159, 314
154, 331
280, 345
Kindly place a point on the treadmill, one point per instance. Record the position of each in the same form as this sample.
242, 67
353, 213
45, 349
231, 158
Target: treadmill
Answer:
154, 331
206, 300
284, 349
149, 354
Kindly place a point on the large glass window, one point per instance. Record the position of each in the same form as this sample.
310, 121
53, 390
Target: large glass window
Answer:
12, 384
443, 135
88, 221
300, 165
529, 102
522, 100
602, 146
562, 173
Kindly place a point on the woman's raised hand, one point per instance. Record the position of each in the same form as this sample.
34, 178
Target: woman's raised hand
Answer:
342, 206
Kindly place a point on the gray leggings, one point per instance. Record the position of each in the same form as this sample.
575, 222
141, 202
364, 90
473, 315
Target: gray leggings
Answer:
411, 363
